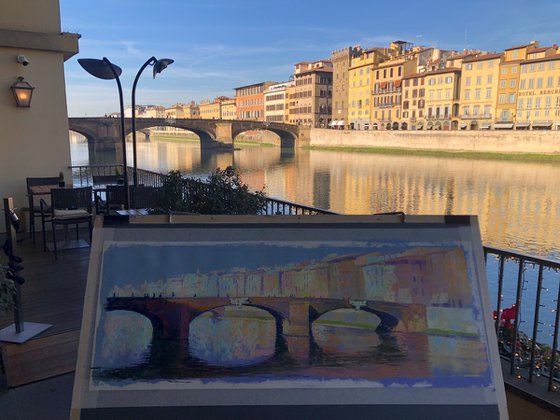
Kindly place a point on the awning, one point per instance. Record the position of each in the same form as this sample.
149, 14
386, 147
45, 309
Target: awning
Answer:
556, 122
485, 126
398, 83
383, 85
333, 122
522, 124
419, 126
463, 125
340, 123
503, 125
542, 124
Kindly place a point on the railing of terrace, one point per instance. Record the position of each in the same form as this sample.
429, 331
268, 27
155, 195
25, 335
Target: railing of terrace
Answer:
528, 349
531, 350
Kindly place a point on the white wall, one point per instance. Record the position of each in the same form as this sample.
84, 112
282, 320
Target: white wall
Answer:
33, 141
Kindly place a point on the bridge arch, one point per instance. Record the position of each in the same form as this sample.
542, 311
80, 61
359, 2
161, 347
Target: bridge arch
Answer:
207, 135
287, 138
156, 321
280, 344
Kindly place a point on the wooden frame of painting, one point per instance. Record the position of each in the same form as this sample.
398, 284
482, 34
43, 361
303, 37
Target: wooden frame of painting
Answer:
287, 317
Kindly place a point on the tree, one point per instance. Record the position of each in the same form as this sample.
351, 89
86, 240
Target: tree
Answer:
222, 193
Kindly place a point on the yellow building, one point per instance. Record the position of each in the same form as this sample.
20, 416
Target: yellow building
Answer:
191, 111
479, 91
442, 98
210, 110
508, 84
539, 90
414, 102
360, 82
387, 92
227, 109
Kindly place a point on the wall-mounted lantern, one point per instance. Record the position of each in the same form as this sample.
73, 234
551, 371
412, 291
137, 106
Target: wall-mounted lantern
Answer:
23, 92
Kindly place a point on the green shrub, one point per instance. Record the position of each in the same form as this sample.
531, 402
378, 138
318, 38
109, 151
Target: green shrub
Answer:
222, 193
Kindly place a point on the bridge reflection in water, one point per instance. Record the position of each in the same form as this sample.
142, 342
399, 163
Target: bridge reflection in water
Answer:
243, 341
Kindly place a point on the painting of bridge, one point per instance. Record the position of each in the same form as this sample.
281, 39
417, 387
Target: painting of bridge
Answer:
365, 313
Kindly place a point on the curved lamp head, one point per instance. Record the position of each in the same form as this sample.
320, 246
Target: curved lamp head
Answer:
100, 68
161, 65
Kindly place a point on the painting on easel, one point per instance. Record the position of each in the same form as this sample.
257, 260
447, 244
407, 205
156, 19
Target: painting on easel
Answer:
378, 310
251, 312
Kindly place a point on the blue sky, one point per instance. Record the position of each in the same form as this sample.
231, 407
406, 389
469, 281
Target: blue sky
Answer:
221, 44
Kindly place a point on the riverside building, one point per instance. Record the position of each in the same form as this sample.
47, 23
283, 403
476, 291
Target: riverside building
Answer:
275, 102
341, 63
479, 91
414, 102
386, 106
442, 98
508, 86
360, 82
539, 90
249, 101
311, 97
227, 109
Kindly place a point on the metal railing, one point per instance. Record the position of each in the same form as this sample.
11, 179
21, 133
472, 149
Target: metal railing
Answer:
525, 348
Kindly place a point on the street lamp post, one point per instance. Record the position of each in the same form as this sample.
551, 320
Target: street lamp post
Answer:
104, 69
159, 66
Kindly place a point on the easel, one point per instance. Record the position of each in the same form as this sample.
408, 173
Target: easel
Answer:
20, 331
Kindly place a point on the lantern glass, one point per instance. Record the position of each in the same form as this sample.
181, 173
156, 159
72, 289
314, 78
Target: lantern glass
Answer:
23, 92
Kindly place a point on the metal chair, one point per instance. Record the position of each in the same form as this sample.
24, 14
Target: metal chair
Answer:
114, 199
35, 211
70, 207
142, 197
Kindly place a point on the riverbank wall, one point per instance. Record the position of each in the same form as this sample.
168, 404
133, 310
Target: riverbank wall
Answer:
492, 141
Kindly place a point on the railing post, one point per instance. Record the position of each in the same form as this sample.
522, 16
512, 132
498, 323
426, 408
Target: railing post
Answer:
517, 314
554, 344
535, 323
499, 301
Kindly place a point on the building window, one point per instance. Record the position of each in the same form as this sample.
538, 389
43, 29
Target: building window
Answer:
478, 80
477, 94
503, 84
549, 82
468, 66
514, 70
489, 80
502, 98
511, 98
520, 104
503, 70
467, 94
522, 84
539, 83
531, 83
488, 93
468, 81
512, 84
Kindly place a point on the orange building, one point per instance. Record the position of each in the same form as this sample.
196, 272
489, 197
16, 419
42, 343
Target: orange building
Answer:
249, 101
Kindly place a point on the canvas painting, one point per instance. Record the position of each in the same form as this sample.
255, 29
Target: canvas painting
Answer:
288, 314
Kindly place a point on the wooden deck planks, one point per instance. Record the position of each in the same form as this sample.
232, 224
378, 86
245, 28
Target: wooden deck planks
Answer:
53, 293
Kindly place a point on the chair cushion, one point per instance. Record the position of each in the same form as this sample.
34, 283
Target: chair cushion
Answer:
70, 214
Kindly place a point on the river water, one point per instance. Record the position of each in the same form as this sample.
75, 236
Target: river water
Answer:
517, 202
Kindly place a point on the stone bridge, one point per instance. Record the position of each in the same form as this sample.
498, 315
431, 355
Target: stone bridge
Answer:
171, 316
103, 134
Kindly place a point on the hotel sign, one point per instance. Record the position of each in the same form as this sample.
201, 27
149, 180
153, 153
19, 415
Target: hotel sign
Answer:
541, 92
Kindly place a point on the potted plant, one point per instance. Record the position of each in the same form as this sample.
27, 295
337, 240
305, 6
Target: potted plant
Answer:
61, 182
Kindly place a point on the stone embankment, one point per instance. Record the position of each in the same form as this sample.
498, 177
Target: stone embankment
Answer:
491, 141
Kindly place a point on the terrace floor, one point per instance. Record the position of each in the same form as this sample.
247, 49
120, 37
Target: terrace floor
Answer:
36, 378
